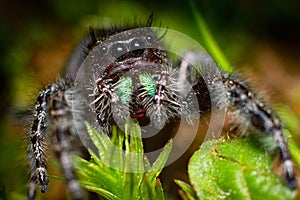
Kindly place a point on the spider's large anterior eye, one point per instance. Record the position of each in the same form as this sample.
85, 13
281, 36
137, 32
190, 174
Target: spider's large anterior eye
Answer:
137, 47
118, 49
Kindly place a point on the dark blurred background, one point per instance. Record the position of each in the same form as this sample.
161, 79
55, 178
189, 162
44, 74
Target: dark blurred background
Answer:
260, 38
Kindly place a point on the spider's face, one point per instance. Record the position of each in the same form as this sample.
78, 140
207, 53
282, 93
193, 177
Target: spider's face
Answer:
134, 74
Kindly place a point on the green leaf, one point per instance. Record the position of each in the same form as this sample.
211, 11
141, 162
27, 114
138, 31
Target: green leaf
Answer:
159, 190
187, 192
121, 171
160, 162
155, 170
235, 169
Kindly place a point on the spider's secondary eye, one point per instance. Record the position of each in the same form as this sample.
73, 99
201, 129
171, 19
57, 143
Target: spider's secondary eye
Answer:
150, 39
118, 49
137, 44
103, 50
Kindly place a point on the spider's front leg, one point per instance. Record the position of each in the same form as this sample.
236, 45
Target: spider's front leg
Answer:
37, 136
248, 109
258, 116
52, 109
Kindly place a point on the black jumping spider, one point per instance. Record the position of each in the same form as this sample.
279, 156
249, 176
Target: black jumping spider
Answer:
126, 71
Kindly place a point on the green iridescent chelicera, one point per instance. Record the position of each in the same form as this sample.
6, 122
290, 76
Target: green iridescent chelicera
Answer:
148, 83
124, 89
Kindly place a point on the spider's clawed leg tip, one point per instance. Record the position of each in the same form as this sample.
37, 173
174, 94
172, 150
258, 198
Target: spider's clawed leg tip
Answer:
292, 183
44, 188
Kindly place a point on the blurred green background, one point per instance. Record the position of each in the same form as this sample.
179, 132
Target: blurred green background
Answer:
260, 38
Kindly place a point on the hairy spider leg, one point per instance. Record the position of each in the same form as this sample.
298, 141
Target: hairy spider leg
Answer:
248, 109
51, 104
261, 118
37, 136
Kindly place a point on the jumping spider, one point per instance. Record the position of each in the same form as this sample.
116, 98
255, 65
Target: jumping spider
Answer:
125, 71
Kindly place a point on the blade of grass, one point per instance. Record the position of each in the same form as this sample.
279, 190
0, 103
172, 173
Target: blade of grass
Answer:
208, 41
